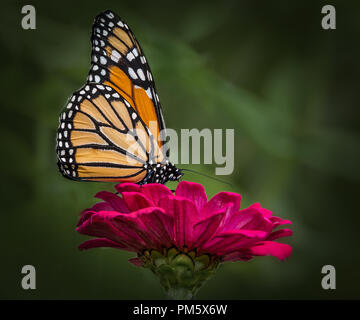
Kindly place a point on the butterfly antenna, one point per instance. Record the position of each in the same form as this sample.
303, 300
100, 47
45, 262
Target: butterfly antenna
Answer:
207, 176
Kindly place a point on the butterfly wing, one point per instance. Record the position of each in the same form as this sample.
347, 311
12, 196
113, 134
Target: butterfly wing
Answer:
119, 62
101, 137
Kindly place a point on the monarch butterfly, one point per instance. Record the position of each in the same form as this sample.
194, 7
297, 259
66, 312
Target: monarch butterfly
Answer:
110, 128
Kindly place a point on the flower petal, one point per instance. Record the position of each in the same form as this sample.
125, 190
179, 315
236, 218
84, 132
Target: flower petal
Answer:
97, 207
155, 191
220, 200
132, 226
205, 228
248, 219
234, 240
236, 256
267, 213
102, 206
100, 225
271, 248
279, 234
195, 192
136, 201
101, 243
185, 215
136, 262
160, 225
113, 200
127, 187
276, 221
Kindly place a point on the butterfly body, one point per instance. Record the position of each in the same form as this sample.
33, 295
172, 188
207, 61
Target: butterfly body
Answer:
110, 129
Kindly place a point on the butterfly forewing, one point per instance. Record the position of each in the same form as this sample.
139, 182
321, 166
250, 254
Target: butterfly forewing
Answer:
118, 61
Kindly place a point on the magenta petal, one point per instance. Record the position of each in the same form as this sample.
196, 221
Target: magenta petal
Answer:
220, 200
147, 224
127, 187
136, 201
155, 191
136, 262
86, 214
97, 207
205, 228
185, 215
271, 248
246, 233
113, 200
234, 240
236, 256
276, 221
239, 219
249, 219
132, 226
160, 225
102, 206
280, 234
267, 213
100, 243
195, 192
100, 225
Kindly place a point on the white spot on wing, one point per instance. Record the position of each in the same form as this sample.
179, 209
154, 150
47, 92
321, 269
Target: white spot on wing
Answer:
149, 75
102, 60
141, 74
132, 73
148, 91
110, 15
130, 56
135, 52
115, 56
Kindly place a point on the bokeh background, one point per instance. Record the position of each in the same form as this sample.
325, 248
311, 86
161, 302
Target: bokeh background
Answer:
267, 69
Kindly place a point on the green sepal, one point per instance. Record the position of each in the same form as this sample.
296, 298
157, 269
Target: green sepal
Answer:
181, 273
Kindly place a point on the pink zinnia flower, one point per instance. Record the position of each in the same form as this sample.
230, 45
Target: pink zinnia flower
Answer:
181, 237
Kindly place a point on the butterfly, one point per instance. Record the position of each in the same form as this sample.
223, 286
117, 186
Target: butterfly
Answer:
111, 128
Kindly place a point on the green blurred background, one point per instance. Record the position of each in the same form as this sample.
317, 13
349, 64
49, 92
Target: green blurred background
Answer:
289, 89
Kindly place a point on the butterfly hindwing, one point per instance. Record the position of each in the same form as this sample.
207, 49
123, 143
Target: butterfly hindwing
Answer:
101, 137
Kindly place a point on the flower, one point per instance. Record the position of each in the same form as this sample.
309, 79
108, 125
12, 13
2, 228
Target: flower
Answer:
181, 237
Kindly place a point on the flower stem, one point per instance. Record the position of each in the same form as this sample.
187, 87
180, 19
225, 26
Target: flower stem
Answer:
179, 294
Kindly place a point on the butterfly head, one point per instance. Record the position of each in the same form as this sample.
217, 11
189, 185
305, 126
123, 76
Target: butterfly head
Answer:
161, 173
